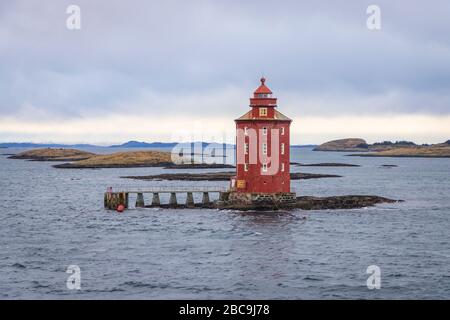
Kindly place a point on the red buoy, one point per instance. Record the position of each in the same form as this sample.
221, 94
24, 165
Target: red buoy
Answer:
120, 208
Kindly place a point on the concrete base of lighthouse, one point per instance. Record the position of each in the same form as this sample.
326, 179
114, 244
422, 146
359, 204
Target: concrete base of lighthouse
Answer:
256, 201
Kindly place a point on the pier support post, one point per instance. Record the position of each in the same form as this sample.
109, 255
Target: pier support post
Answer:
173, 199
205, 198
140, 201
190, 200
155, 199
106, 200
127, 198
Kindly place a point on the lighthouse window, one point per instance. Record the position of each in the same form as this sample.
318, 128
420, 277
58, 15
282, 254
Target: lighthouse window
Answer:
282, 167
245, 166
245, 131
282, 131
264, 147
246, 148
263, 112
282, 148
264, 167
265, 131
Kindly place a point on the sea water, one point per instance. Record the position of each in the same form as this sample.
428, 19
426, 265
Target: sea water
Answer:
51, 219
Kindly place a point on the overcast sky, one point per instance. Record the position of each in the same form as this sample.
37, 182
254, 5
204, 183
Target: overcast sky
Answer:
137, 68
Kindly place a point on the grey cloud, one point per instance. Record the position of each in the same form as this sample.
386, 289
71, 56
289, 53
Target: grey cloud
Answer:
153, 55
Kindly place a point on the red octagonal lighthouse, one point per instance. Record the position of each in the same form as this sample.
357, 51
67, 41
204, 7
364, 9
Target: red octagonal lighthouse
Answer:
262, 150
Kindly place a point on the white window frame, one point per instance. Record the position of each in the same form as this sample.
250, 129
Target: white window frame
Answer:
261, 113
264, 131
282, 167
245, 167
264, 167
282, 131
246, 148
246, 131
282, 148
264, 148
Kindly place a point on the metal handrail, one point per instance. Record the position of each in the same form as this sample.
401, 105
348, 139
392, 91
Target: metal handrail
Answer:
151, 189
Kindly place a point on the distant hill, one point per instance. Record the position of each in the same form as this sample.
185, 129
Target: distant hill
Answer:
42, 145
129, 144
138, 144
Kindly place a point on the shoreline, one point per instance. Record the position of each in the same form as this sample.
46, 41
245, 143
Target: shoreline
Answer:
367, 155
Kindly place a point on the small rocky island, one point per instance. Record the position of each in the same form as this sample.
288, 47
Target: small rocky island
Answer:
130, 159
387, 148
53, 154
434, 151
343, 145
218, 176
313, 203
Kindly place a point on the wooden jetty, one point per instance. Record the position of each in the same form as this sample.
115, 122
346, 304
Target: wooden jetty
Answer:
112, 199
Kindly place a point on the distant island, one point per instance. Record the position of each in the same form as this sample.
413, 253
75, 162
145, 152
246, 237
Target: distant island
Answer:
78, 159
53, 154
82, 159
43, 145
344, 145
358, 144
128, 144
129, 159
387, 148
434, 151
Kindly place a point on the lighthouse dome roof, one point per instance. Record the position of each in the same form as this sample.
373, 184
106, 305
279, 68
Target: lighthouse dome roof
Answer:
263, 89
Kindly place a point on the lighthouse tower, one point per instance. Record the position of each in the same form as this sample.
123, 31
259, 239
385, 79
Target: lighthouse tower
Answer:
262, 147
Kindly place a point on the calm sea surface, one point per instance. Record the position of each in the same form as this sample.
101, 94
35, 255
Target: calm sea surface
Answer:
52, 218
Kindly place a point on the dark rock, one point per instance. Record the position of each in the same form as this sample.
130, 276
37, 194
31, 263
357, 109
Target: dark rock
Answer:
310, 203
165, 165
219, 176
106, 166
340, 202
200, 166
326, 164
